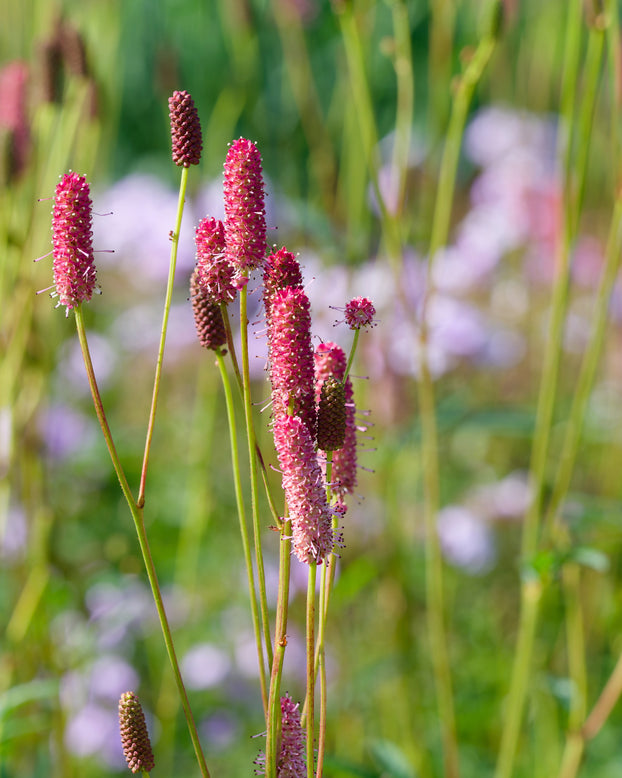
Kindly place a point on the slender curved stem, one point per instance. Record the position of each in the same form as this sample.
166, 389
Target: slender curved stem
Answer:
139, 523
310, 712
244, 533
160, 357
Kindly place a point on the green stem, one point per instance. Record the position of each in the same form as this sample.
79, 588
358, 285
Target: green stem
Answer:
139, 523
280, 642
160, 357
310, 701
244, 533
252, 457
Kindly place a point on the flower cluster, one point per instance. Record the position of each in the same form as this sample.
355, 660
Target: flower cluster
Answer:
74, 270
291, 762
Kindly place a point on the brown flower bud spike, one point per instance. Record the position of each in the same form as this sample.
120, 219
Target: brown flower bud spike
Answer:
134, 735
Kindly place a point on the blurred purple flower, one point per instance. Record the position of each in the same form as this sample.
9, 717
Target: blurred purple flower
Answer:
117, 610
65, 431
13, 533
205, 666
88, 731
71, 371
466, 541
220, 730
110, 676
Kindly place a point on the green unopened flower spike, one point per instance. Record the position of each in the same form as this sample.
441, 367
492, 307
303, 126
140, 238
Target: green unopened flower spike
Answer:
134, 735
331, 415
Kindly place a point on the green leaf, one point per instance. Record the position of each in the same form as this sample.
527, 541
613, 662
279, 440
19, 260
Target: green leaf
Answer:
392, 760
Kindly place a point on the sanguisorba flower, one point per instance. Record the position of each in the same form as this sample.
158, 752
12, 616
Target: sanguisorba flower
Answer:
245, 214
360, 313
291, 761
208, 318
215, 272
331, 415
330, 360
290, 353
280, 270
305, 491
72, 239
187, 141
134, 735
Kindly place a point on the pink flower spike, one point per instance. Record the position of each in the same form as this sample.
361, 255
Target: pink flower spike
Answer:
245, 215
215, 273
281, 269
304, 489
291, 356
360, 313
74, 269
291, 761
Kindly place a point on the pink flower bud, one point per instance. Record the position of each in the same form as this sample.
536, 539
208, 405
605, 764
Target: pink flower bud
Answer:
215, 272
187, 141
74, 269
304, 489
360, 313
245, 216
291, 761
291, 356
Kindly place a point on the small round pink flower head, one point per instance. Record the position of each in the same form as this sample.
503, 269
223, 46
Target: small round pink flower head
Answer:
304, 489
330, 360
291, 761
74, 269
134, 735
360, 313
187, 141
281, 269
215, 272
245, 215
291, 356
208, 318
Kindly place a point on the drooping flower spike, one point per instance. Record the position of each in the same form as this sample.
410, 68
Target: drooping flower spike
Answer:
72, 239
186, 138
245, 214
134, 735
208, 318
215, 272
305, 491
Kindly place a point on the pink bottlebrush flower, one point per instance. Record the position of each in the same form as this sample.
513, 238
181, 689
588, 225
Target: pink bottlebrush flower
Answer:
245, 215
291, 761
134, 735
208, 318
187, 141
281, 269
304, 489
330, 360
74, 269
291, 356
215, 272
360, 313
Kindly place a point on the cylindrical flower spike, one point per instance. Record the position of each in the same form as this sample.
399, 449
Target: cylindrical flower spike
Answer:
187, 141
331, 415
360, 313
215, 272
207, 315
305, 491
291, 356
330, 360
281, 269
74, 269
134, 735
245, 215
291, 761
